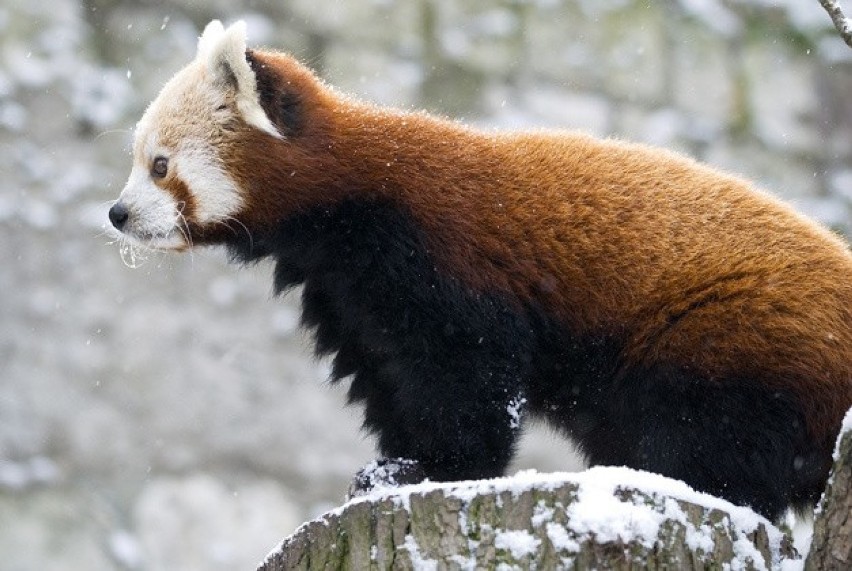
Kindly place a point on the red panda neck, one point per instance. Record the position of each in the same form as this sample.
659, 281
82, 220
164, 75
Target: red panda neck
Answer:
452, 180
413, 157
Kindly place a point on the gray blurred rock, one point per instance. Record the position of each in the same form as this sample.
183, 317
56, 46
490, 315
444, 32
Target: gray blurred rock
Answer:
198, 523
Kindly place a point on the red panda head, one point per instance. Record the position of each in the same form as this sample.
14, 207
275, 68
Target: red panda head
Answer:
218, 139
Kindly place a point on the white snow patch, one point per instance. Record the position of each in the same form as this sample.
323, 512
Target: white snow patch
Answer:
514, 409
520, 543
465, 563
542, 513
384, 479
700, 538
419, 562
845, 426
598, 512
744, 553
561, 539
802, 530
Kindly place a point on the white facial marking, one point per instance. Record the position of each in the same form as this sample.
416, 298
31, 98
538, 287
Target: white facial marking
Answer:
216, 194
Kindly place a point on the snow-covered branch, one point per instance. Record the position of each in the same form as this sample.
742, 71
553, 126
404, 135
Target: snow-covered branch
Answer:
841, 21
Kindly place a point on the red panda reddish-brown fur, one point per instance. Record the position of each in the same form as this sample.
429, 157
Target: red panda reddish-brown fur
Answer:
683, 272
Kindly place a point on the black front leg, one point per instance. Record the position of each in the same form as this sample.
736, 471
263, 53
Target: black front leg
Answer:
440, 368
455, 409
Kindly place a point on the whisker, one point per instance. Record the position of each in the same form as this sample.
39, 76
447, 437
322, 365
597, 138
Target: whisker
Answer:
244, 227
183, 227
111, 132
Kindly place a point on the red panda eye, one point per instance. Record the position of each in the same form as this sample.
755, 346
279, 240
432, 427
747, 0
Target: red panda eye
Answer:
160, 167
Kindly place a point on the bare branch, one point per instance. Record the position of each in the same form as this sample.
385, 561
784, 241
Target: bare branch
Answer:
841, 22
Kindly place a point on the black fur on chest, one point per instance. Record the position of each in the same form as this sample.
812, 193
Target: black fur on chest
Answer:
372, 292
439, 368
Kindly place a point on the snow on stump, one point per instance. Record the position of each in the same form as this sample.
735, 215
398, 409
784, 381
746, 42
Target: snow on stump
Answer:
831, 547
605, 518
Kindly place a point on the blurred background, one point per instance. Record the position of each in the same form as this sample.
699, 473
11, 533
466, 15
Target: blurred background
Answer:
165, 412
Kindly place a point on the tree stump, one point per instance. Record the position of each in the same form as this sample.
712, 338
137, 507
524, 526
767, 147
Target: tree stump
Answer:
831, 547
604, 518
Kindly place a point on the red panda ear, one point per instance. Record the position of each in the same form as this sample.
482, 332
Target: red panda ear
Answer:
223, 51
278, 97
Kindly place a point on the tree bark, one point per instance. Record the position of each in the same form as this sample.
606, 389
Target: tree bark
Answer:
839, 19
831, 547
540, 527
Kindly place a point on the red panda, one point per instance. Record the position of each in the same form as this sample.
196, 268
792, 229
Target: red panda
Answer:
664, 315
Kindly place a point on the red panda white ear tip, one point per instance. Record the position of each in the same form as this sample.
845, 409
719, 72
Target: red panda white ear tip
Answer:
220, 44
211, 35
223, 51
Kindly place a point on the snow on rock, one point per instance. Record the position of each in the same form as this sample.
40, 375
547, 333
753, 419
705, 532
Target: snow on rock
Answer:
519, 542
845, 426
561, 539
604, 509
419, 562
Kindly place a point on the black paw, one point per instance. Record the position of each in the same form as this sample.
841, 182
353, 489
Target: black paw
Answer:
385, 473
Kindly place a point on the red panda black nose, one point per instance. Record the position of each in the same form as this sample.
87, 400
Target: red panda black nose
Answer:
118, 215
